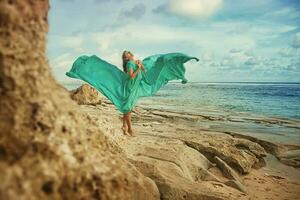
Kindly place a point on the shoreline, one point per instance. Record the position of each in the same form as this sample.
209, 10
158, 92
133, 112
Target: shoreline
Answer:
167, 127
268, 128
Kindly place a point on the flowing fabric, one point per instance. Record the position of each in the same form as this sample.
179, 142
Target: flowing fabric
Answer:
119, 88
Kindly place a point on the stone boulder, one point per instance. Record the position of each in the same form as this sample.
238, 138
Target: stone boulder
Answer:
86, 95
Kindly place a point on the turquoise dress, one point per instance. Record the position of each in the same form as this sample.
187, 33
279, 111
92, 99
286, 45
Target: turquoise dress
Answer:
119, 88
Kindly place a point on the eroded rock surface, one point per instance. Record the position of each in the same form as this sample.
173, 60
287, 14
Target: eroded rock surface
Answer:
291, 158
179, 171
49, 149
240, 154
86, 95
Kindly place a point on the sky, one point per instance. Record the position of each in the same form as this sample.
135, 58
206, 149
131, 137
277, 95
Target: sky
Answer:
236, 41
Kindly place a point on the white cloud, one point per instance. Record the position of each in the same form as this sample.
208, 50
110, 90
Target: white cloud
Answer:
296, 41
67, 41
63, 61
252, 61
207, 57
153, 35
235, 50
194, 8
289, 52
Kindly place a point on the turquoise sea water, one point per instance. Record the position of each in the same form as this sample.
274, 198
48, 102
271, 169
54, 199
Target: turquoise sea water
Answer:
257, 109
269, 111
268, 99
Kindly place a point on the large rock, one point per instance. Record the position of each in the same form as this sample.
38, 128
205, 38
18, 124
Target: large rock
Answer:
240, 154
49, 149
270, 147
86, 95
291, 158
287, 154
179, 171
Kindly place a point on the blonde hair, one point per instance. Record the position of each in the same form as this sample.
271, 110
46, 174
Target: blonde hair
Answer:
125, 60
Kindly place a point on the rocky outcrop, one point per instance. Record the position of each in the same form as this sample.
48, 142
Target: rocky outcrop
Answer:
287, 154
49, 149
161, 150
86, 95
170, 155
291, 158
270, 147
179, 171
239, 153
242, 155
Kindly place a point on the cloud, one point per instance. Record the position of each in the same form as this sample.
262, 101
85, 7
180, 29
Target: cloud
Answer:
136, 12
235, 50
289, 52
172, 38
63, 61
67, 41
107, 1
207, 57
245, 38
190, 8
296, 41
249, 53
252, 61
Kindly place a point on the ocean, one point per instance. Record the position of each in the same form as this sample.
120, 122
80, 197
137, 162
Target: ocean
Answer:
266, 110
268, 99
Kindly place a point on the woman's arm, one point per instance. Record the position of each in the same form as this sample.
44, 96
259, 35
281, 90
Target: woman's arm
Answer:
140, 64
133, 74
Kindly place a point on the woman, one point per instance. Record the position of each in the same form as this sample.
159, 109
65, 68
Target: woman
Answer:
138, 79
128, 61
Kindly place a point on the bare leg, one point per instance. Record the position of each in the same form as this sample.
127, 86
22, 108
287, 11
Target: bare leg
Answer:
128, 120
124, 127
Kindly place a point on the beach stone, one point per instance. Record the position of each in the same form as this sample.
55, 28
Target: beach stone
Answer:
86, 95
49, 149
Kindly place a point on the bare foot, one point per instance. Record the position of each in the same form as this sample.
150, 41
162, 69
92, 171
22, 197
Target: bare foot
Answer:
131, 133
125, 129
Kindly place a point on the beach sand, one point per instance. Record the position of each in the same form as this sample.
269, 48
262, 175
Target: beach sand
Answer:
165, 145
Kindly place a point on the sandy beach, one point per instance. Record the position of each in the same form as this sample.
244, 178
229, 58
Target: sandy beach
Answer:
180, 155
